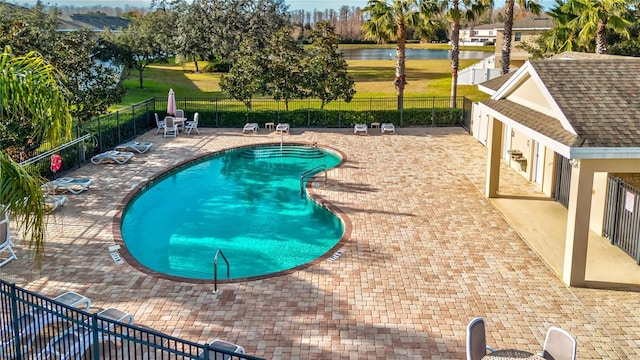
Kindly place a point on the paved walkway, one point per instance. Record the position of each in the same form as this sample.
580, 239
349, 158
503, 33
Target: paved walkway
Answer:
426, 254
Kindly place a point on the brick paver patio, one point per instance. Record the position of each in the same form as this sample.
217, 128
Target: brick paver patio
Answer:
427, 253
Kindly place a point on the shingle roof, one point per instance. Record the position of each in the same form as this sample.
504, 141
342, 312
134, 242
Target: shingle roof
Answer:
93, 22
541, 22
539, 122
600, 98
495, 83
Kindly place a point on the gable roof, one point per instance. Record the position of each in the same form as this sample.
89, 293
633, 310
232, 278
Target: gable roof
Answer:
599, 100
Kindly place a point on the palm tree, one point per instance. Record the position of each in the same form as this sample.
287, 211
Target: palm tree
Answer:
562, 36
389, 20
509, 6
30, 90
595, 17
455, 12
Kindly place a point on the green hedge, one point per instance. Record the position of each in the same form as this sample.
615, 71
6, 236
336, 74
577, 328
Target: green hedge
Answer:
333, 118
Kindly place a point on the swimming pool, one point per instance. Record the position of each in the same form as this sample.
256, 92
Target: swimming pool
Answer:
246, 202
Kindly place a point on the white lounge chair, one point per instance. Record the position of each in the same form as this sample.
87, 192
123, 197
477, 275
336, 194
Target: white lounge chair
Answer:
74, 342
159, 123
192, 125
360, 128
53, 202
387, 127
284, 127
112, 156
223, 345
170, 127
34, 321
139, 147
5, 238
72, 185
250, 127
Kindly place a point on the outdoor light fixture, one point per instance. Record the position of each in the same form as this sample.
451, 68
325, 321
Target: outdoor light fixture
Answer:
575, 163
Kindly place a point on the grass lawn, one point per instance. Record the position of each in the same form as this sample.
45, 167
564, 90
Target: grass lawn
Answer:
374, 78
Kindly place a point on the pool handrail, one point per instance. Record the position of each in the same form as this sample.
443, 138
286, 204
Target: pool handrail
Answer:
312, 172
215, 268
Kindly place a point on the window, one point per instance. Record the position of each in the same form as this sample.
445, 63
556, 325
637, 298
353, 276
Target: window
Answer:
475, 32
490, 32
518, 36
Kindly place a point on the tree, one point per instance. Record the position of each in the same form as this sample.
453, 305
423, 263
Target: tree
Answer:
191, 24
30, 91
455, 12
246, 79
596, 17
92, 86
389, 20
146, 40
327, 76
509, 6
284, 77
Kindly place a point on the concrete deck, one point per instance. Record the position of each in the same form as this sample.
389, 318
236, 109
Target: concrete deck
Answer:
426, 254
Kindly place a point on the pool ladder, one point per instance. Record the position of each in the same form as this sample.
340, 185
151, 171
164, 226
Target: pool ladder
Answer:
215, 268
311, 173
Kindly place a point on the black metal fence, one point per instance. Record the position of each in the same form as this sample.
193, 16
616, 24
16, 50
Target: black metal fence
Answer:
35, 327
622, 216
108, 131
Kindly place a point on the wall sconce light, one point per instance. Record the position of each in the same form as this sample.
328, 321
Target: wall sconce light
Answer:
575, 163
513, 133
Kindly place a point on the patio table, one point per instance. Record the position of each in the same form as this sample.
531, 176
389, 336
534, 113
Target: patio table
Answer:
511, 354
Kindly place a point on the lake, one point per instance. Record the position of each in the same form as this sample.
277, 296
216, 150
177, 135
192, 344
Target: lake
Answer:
411, 54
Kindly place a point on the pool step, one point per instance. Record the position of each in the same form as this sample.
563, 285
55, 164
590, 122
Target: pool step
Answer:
275, 151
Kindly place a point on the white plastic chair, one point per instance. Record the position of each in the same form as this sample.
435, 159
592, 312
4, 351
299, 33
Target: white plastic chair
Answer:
159, 123
250, 127
284, 127
559, 345
170, 127
387, 127
192, 125
5, 238
360, 128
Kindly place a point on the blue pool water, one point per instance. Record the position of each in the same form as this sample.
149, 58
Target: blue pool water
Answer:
246, 202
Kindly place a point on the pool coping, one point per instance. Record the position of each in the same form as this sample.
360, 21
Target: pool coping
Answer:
116, 224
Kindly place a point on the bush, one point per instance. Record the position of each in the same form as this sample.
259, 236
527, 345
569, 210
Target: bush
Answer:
218, 66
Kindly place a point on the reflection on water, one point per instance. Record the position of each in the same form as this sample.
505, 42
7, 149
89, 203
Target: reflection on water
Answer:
411, 54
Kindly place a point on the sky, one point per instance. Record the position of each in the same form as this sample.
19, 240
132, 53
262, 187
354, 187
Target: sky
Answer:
308, 5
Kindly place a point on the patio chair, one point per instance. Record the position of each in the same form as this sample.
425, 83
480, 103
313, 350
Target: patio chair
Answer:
74, 342
5, 238
53, 202
72, 185
192, 125
180, 113
284, 127
34, 321
112, 156
559, 345
159, 123
387, 127
360, 128
170, 127
139, 147
223, 345
250, 127
477, 340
